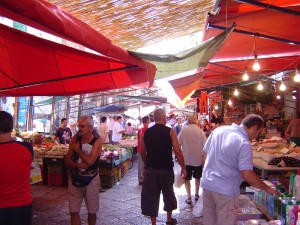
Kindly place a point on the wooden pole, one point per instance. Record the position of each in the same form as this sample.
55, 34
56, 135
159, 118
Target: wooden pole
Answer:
81, 97
16, 113
68, 107
53, 115
30, 114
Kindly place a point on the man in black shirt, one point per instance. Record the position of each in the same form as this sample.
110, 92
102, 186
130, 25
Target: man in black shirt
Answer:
157, 145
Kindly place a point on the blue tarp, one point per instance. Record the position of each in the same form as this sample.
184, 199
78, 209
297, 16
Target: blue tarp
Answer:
111, 109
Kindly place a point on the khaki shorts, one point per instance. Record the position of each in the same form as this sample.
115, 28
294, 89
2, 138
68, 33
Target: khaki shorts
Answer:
219, 209
90, 194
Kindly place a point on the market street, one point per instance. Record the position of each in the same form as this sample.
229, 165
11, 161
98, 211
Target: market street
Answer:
118, 205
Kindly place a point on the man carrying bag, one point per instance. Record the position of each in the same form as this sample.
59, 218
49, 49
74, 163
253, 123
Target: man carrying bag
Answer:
84, 183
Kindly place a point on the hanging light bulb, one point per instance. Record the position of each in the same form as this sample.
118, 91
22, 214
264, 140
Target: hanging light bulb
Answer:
297, 76
216, 107
229, 102
282, 87
236, 92
256, 66
260, 87
278, 97
245, 76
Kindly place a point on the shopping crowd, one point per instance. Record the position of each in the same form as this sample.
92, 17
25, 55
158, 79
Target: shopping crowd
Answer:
218, 158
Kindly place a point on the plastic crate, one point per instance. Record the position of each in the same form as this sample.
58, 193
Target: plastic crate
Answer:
44, 172
108, 181
129, 163
55, 165
118, 174
109, 163
107, 172
123, 171
55, 179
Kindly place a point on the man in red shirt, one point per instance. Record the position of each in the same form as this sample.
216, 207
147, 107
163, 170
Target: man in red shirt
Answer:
141, 131
15, 165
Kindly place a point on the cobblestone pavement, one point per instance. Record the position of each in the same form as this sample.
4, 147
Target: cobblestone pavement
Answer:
118, 205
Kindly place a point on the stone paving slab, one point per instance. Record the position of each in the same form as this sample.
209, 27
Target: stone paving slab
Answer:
119, 205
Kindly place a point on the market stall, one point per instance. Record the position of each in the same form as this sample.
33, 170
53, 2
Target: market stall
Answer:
267, 169
49, 162
114, 164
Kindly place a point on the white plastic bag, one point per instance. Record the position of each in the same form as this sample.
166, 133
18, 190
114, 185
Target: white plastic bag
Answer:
198, 207
179, 180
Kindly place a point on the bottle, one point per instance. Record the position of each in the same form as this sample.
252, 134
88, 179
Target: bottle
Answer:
298, 220
284, 203
296, 190
279, 203
292, 180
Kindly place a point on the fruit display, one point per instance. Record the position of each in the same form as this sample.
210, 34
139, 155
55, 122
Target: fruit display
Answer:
112, 151
132, 142
285, 161
57, 151
276, 149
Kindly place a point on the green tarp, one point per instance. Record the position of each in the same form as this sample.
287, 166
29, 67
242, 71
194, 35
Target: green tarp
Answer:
191, 59
49, 101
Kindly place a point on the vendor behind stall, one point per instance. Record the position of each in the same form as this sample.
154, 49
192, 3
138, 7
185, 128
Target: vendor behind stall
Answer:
293, 130
63, 133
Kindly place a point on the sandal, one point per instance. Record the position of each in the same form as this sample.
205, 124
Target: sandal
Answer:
196, 198
172, 222
188, 201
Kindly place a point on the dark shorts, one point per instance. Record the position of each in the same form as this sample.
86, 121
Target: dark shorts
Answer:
196, 171
155, 182
16, 215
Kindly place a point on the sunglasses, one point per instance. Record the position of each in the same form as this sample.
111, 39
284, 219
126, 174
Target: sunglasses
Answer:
81, 126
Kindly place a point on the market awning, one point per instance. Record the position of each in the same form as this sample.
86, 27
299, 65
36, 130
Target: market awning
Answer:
149, 99
32, 66
141, 111
191, 59
264, 27
49, 101
118, 108
275, 31
186, 86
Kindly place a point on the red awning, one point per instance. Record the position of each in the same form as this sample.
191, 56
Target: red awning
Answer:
259, 21
33, 66
274, 32
31, 62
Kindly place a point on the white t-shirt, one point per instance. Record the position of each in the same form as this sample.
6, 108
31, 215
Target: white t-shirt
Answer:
111, 124
103, 130
192, 139
116, 136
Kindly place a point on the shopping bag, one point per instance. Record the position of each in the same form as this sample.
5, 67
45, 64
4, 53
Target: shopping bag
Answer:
198, 207
179, 180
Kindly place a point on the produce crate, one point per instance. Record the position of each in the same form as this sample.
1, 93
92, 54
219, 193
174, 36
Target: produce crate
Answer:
57, 179
108, 181
44, 171
107, 172
109, 163
119, 174
128, 164
55, 165
123, 171
54, 172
